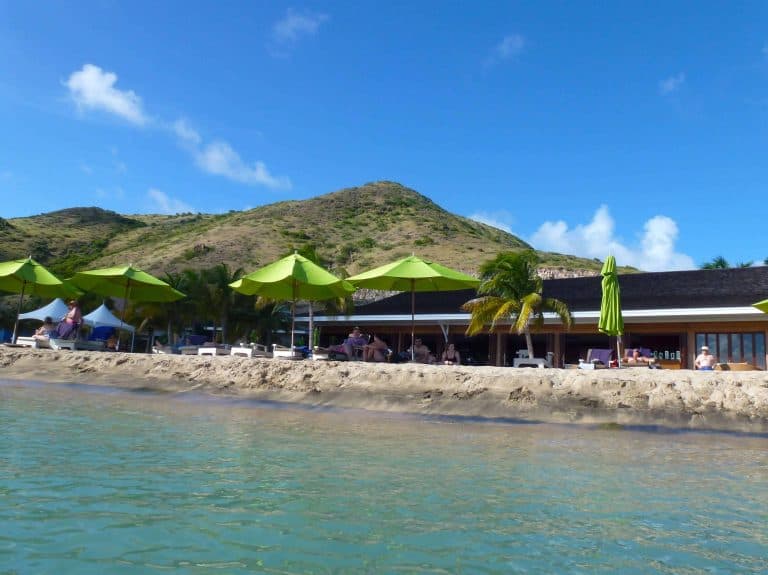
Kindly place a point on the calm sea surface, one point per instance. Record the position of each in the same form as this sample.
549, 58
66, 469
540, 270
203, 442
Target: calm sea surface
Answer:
97, 480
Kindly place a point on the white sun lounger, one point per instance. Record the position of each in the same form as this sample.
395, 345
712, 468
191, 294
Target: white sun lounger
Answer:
282, 352
252, 350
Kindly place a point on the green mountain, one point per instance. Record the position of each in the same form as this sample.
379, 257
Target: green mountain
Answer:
352, 229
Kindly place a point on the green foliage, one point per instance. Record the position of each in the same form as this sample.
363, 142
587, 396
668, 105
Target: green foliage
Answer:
353, 227
718, 262
424, 241
512, 290
77, 257
197, 251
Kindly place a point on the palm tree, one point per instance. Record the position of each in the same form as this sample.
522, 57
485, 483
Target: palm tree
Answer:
717, 263
221, 295
511, 289
720, 263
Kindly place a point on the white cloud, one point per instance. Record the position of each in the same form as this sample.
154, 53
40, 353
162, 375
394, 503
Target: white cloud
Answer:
219, 158
91, 87
511, 46
501, 219
596, 239
294, 26
86, 169
671, 84
165, 204
185, 132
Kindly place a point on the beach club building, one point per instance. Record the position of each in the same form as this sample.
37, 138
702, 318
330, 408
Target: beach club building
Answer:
670, 313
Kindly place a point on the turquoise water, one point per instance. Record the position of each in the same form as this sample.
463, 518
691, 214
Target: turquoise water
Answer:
97, 480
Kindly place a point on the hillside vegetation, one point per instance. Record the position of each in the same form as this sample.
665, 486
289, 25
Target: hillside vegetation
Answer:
352, 229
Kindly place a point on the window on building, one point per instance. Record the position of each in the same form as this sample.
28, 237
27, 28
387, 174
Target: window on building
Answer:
735, 347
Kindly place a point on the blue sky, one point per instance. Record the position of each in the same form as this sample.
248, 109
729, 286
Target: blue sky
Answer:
584, 128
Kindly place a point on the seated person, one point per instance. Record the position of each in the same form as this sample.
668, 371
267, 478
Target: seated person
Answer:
637, 356
377, 350
451, 355
71, 321
705, 361
45, 331
354, 344
111, 342
421, 352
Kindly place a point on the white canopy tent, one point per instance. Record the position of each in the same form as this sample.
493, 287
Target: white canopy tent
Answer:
55, 310
101, 316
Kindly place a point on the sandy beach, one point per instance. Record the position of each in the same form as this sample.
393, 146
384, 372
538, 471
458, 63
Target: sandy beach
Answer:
722, 400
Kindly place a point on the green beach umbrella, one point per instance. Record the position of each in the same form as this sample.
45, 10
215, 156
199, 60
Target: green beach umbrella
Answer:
414, 274
611, 321
762, 305
26, 276
128, 283
293, 278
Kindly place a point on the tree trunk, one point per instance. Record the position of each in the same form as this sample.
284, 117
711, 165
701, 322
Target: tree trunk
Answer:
529, 343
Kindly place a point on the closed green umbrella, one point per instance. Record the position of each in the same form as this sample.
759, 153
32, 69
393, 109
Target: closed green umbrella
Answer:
414, 274
761, 305
293, 278
26, 276
128, 283
611, 321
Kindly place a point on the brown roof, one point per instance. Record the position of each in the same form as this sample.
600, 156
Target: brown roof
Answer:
730, 287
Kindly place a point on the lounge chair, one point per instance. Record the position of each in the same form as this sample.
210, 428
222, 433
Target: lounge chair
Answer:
250, 350
213, 349
58, 343
91, 345
596, 358
164, 349
524, 361
25, 341
191, 344
280, 351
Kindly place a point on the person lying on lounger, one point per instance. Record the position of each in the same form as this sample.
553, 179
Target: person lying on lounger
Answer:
637, 356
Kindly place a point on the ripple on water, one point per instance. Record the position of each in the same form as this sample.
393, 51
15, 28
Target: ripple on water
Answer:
94, 482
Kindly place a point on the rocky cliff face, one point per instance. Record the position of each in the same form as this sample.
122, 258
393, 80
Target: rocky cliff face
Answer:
549, 273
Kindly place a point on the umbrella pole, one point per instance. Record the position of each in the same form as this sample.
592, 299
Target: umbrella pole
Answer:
122, 316
618, 350
413, 319
18, 311
311, 336
293, 314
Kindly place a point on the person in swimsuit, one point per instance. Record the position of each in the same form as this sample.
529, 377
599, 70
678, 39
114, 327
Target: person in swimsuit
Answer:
377, 350
45, 331
451, 355
353, 346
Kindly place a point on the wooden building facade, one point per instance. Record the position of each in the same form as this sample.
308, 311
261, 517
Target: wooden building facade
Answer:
671, 313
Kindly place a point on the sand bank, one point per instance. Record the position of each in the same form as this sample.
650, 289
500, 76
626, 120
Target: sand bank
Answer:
733, 400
